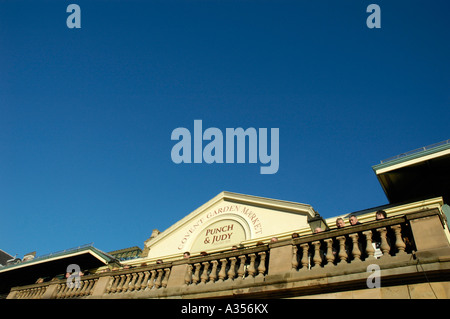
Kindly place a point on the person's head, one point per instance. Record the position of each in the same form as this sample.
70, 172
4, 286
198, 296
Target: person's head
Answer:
353, 220
317, 230
380, 214
340, 222
186, 254
273, 239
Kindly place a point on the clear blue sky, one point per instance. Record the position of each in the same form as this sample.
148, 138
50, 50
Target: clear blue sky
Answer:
86, 115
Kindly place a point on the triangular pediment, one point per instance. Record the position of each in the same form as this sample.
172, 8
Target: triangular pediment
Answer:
226, 220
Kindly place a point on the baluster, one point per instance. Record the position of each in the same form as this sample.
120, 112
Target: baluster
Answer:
399, 243
42, 291
188, 276
222, 273
166, 277
126, 283
232, 270
33, 292
241, 270
83, 288
27, 293
305, 257
145, 280
317, 258
24, 294
64, 291
109, 285
342, 251
196, 277
137, 286
158, 281
330, 256
133, 282
262, 264
116, 284
370, 251
90, 286
151, 281
251, 270
294, 260
57, 291
204, 276
356, 252
384, 244
70, 292
213, 274
122, 281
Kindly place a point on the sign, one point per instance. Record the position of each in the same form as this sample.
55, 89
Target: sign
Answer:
222, 233
238, 210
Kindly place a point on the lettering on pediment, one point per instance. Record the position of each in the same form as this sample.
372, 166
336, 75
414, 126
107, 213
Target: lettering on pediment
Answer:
225, 225
224, 232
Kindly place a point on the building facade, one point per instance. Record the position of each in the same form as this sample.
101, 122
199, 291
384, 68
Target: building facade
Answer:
242, 246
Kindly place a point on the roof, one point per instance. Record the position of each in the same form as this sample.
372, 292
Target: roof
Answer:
417, 174
126, 253
48, 266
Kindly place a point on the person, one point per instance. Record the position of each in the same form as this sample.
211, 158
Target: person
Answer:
159, 261
380, 214
353, 220
317, 230
186, 254
273, 239
340, 222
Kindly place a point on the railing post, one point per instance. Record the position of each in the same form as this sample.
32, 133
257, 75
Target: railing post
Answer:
429, 236
179, 275
100, 286
281, 258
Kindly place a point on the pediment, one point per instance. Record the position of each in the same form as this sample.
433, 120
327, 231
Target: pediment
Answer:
226, 220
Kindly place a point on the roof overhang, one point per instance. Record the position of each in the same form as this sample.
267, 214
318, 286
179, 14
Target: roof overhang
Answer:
29, 272
416, 175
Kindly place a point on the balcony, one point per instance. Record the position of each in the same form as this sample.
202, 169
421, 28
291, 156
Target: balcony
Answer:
410, 251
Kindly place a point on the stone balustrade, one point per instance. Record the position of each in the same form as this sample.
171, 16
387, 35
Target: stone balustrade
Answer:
241, 264
283, 266
136, 281
63, 290
351, 244
31, 293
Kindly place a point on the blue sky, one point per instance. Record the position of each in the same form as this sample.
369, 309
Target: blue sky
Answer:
86, 115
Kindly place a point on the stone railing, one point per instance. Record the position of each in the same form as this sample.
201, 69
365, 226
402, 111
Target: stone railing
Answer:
63, 290
138, 280
31, 293
290, 267
338, 247
241, 264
